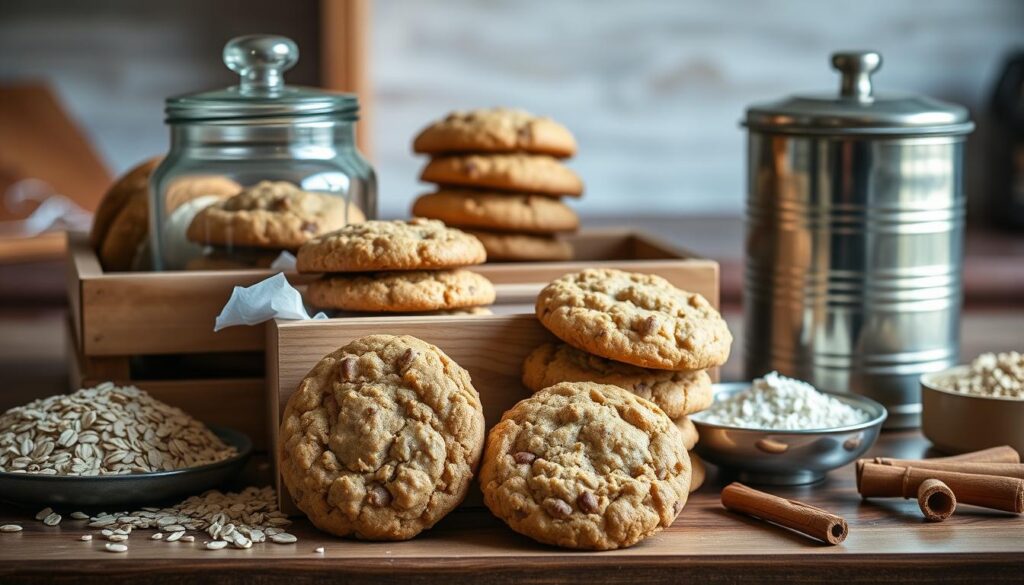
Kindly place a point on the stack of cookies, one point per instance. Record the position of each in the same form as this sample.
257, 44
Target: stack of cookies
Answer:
499, 176
252, 227
635, 331
396, 267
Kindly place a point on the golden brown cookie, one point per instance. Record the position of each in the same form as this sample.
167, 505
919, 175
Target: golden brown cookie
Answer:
677, 393
699, 473
585, 466
689, 432
513, 247
406, 291
640, 319
186, 188
373, 246
530, 173
123, 218
380, 439
516, 212
277, 215
495, 130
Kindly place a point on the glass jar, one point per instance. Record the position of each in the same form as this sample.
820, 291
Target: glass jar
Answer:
227, 144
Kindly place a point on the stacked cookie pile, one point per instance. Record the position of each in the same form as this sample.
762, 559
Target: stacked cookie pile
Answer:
499, 176
635, 331
396, 267
253, 226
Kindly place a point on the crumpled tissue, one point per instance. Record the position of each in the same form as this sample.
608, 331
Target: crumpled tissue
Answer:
273, 298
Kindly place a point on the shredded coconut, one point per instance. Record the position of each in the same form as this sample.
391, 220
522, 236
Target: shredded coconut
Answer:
993, 375
776, 402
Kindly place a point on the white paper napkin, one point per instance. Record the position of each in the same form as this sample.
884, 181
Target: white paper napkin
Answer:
273, 298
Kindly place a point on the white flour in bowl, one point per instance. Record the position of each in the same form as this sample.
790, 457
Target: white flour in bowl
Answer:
779, 403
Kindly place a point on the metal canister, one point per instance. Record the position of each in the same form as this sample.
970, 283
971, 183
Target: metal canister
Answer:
854, 248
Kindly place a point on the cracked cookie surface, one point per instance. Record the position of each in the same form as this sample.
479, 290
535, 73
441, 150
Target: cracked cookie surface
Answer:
531, 173
585, 466
391, 245
640, 319
678, 393
495, 130
271, 214
381, 438
517, 212
407, 291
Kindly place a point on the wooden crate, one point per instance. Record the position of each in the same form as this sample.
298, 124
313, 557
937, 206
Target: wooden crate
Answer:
119, 319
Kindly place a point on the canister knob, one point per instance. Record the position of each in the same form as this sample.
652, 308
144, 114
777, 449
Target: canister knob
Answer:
261, 60
856, 67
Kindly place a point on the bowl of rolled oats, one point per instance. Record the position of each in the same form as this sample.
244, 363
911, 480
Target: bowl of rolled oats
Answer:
111, 446
975, 406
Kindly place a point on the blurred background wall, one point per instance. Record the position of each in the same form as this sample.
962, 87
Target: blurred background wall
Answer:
653, 89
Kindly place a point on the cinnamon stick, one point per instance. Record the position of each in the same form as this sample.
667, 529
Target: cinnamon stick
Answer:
987, 491
1001, 454
936, 500
981, 468
803, 518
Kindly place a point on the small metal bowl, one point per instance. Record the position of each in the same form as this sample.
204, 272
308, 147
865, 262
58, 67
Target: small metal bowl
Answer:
957, 423
768, 457
112, 492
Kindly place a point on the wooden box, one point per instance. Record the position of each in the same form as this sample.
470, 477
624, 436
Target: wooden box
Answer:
155, 330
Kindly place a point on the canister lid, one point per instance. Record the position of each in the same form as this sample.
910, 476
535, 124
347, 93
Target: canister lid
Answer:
261, 61
858, 109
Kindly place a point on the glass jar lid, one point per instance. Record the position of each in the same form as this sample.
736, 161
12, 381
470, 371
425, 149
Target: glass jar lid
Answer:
261, 61
857, 109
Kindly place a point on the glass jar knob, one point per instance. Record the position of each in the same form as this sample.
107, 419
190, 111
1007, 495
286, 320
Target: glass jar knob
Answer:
261, 61
856, 68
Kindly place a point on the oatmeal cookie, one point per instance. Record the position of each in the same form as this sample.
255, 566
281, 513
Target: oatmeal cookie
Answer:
381, 438
373, 246
677, 393
530, 173
585, 466
271, 214
407, 291
514, 212
495, 130
512, 247
640, 319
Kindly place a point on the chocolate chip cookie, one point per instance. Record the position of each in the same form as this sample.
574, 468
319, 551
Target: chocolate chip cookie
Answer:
400, 292
513, 247
639, 319
677, 393
531, 173
495, 130
271, 214
380, 439
585, 466
517, 212
373, 246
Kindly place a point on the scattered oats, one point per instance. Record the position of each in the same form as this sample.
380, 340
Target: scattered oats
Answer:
174, 536
283, 538
85, 537
216, 544
272, 531
10, 528
157, 536
188, 538
44, 513
174, 528
107, 532
79, 515
52, 520
106, 430
116, 547
319, 550
117, 537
